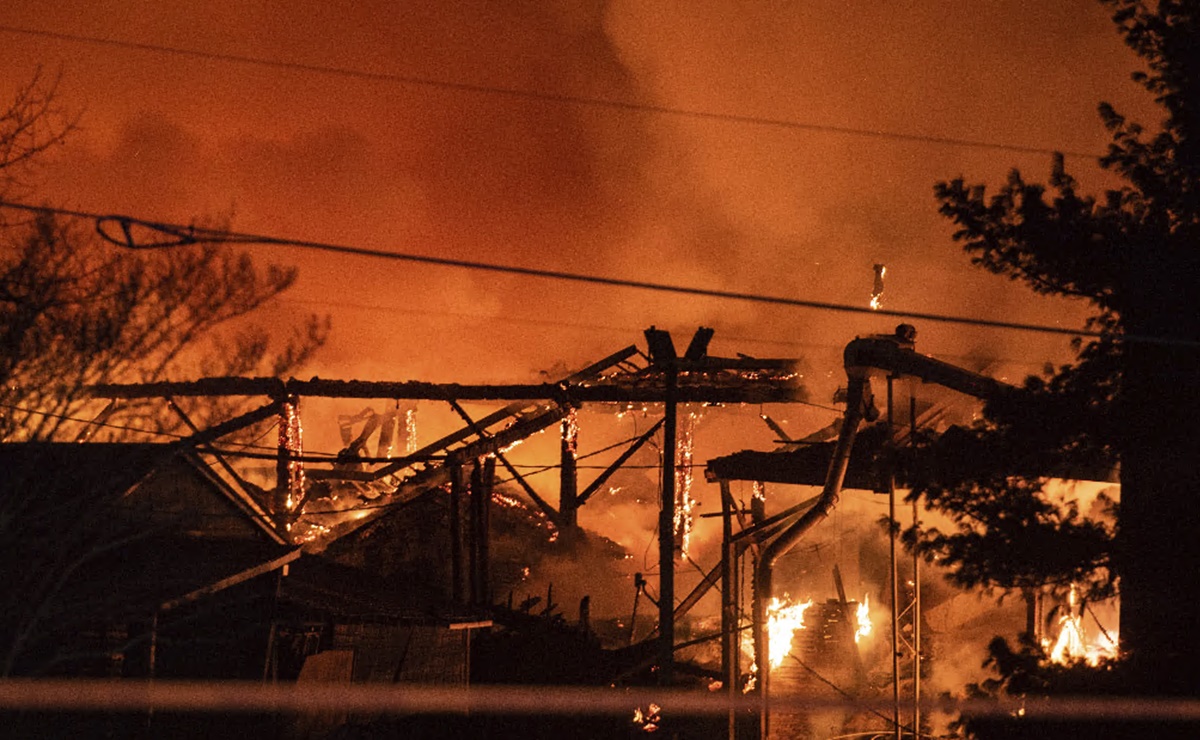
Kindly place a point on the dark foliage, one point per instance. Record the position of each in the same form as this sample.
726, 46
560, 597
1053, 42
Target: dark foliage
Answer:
1133, 254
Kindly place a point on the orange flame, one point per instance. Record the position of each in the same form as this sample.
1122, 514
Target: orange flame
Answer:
784, 620
862, 616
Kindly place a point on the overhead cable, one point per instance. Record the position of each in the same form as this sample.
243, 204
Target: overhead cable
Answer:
176, 235
578, 100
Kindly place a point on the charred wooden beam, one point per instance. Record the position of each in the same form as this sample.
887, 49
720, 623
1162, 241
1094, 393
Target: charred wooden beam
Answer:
710, 579
666, 536
730, 605
483, 474
456, 533
232, 580
604, 476
550, 512
233, 425
568, 479
652, 390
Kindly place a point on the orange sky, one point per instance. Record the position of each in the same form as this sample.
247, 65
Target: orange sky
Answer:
443, 170
623, 193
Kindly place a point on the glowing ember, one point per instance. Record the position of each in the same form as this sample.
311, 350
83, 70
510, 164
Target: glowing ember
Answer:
410, 430
784, 620
684, 503
648, 721
877, 290
291, 440
570, 432
508, 502
862, 616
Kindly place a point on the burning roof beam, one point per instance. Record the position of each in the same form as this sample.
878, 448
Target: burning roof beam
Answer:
760, 391
616, 465
542, 504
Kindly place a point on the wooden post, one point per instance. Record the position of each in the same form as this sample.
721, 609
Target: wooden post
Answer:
730, 634
456, 530
568, 486
666, 534
482, 476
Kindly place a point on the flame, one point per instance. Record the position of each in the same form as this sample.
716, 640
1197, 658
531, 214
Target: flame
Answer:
410, 430
784, 620
649, 719
1072, 643
758, 491
684, 503
570, 432
862, 616
877, 290
291, 436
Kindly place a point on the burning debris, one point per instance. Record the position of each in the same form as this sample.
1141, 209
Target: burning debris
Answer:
291, 473
877, 290
1073, 644
784, 620
649, 720
684, 503
862, 615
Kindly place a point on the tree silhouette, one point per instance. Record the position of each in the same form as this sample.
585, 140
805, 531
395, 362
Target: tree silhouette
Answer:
1134, 254
75, 311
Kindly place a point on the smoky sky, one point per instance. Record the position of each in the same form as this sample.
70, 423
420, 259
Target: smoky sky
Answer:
631, 193
635, 193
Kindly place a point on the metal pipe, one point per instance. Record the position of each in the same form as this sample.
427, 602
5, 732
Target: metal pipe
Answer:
857, 399
912, 430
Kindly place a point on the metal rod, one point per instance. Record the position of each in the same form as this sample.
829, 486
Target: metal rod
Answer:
895, 577
916, 610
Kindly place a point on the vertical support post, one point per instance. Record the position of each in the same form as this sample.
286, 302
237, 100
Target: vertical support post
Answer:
473, 564
289, 467
730, 634
271, 660
153, 664
895, 586
456, 529
152, 660
762, 654
568, 481
916, 606
666, 531
482, 476
283, 464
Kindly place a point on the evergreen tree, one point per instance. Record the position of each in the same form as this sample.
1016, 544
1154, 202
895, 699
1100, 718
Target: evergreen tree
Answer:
1131, 396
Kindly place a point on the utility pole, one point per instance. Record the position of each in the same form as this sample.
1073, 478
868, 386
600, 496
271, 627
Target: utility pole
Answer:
666, 532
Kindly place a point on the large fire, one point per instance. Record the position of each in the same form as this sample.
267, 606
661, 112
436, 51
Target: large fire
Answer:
1072, 643
291, 437
784, 620
862, 615
684, 503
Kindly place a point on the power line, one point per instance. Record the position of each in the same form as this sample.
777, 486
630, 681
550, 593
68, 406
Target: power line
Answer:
392, 309
93, 422
179, 236
620, 105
